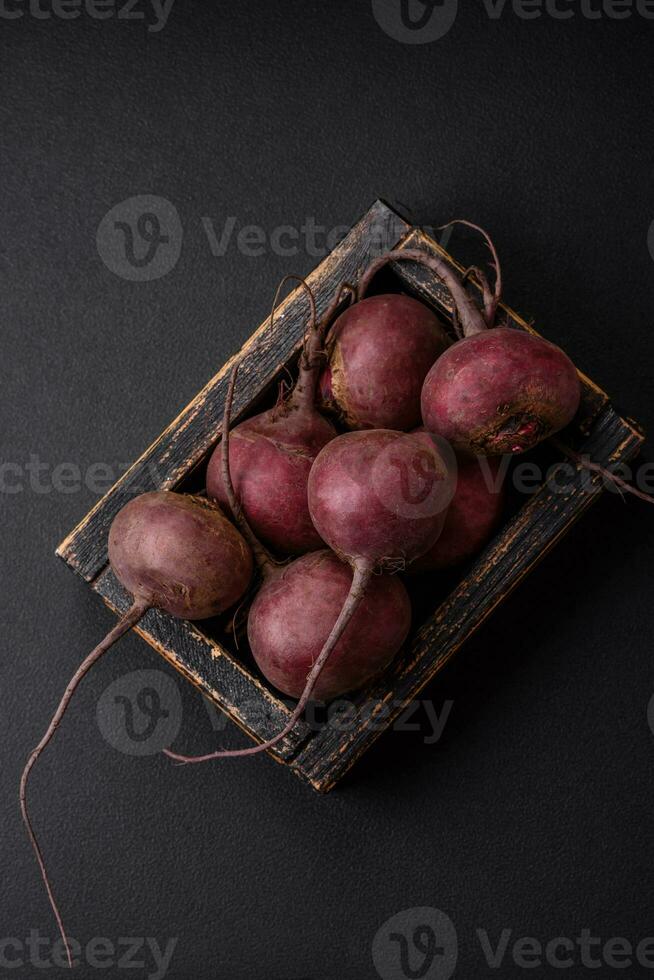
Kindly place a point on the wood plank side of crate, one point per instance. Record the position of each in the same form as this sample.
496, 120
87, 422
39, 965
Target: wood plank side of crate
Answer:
191, 435
519, 546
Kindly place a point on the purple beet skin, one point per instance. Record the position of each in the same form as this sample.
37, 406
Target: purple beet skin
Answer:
380, 497
295, 611
270, 458
472, 517
270, 455
380, 352
180, 553
496, 390
500, 391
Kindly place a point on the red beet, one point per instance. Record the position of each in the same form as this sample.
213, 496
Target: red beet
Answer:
295, 610
271, 455
320, 615
179, 553
380, 351
496, 390
271, 459
172, 552
472, 516
379, 498
500, 391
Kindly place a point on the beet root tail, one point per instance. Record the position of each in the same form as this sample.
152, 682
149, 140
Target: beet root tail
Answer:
587, 464
130, 618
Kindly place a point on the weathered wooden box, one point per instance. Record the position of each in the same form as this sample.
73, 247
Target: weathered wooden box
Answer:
207, 657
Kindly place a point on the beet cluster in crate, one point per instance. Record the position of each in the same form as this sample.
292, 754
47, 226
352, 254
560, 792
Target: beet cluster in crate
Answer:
384, 463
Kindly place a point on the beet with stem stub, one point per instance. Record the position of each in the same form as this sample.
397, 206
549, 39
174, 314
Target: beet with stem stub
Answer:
497, 390
173, 552
295, 610
380, 351
500, 391
379, 499
271, 454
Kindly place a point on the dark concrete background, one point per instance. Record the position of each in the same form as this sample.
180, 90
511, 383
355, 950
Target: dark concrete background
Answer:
533, 812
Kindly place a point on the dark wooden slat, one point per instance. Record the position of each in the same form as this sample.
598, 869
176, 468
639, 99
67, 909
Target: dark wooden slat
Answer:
190, 436
505, 563
213, 670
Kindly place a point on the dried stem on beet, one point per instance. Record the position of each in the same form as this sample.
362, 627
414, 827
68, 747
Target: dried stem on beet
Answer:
303, 394
492, 297
471, 318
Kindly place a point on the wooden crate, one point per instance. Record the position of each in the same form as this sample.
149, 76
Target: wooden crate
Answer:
323, 756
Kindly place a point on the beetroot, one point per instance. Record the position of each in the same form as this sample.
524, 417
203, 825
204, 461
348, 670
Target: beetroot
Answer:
379, 498
172, 552
317, 614
271, 455
472, 516
500, 391
179, 553
380, 351
497, 390
294, 611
